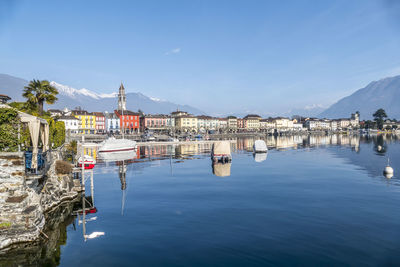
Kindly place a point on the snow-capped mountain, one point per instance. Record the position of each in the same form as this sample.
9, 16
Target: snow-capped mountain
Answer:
72, 92
92, 101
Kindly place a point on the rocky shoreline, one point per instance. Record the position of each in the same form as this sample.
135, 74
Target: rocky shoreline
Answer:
25, 200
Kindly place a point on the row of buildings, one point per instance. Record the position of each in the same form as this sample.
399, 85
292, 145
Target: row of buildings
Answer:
81, 121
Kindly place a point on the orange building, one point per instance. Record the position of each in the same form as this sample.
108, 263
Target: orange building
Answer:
129, 121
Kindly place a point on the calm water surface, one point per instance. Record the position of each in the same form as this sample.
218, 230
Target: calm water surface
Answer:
311, 201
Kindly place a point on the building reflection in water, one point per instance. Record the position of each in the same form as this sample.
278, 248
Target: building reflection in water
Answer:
122, 178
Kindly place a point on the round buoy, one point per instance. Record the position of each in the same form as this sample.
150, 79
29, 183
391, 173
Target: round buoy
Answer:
388, 170
379, 148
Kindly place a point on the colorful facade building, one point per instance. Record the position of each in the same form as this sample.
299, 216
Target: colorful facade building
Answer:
232, 123
241, 124
112, 123
283, 123
72, 124
154, 122
186, 123
206, 123
100, 122
222, 124
87, 121
253, 122
129, 120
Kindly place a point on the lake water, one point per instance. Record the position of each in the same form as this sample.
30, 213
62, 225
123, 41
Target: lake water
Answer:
311, 201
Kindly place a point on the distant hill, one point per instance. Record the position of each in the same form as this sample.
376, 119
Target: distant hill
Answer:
384, 94
12, 86
92, 101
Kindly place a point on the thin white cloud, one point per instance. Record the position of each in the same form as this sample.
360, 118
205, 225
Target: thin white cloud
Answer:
173, 51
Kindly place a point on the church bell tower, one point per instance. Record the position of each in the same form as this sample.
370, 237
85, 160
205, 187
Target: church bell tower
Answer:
121, 98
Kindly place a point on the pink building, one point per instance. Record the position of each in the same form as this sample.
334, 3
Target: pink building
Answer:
241, 123
154, 122
100, 122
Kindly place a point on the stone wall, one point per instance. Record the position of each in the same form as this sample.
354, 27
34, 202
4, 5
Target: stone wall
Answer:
23, 202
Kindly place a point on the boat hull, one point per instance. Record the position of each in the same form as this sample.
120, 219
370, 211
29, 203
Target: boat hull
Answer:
88, 166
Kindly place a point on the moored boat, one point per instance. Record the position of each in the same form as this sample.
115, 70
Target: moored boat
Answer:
117, 145
221, 152
260, 146
88, 162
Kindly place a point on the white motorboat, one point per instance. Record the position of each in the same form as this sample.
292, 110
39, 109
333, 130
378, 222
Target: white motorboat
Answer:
117, 156
117, 145
260, 146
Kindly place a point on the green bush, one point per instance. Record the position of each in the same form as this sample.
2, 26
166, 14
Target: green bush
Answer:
8, 129
56, 132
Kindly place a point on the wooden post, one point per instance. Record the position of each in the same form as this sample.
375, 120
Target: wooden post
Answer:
84, 215
83, 162
92, 187
19, 137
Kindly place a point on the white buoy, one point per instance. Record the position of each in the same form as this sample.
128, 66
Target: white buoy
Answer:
388, 171
379, 148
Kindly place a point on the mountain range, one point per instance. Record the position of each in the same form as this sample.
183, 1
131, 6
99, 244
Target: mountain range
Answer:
71, 98
384, 93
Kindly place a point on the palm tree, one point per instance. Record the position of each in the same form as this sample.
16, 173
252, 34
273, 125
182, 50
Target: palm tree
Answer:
37, 92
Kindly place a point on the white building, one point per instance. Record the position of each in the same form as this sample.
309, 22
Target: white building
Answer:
112, 123
72, 124
298, 126
205, 123
283, 123
222, 123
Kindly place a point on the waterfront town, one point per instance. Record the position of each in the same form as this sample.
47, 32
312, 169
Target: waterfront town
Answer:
45, 154
82, 122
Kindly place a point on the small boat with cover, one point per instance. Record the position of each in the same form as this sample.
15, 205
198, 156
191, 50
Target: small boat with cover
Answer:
221, 152
260, 146
117, 145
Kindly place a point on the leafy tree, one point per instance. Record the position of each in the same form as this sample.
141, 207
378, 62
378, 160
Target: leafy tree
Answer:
56, 132
24, 107
379, 116
9, 130
37, 92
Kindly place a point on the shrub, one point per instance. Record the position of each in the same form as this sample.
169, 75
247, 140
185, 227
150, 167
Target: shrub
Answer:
63, 167
8, 129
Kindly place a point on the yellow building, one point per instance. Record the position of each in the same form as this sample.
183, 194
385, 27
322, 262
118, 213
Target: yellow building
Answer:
88, 121
186, 123
252, 122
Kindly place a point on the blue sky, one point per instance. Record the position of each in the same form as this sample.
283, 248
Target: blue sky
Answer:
221, 56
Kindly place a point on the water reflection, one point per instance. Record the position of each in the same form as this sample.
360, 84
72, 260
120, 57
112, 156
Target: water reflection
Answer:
45, 252
221, 169
367, 153
122, 178
260, 157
